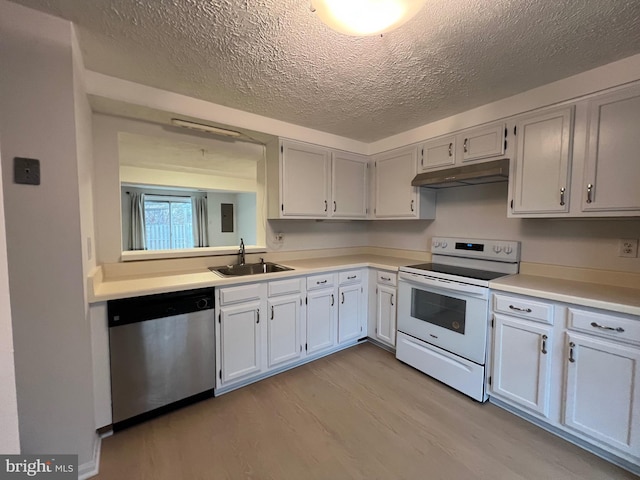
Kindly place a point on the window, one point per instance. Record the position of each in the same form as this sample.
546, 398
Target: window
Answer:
168, 222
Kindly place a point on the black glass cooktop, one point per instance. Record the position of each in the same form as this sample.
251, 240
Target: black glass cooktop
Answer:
459, 271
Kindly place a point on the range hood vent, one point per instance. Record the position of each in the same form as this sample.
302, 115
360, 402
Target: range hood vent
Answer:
474, 174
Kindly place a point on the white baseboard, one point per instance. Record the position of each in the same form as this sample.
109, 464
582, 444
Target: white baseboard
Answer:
91, 468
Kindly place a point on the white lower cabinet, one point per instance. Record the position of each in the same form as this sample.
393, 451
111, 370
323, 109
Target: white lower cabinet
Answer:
603, 391
386, 295
521, 363
576, 369
240, 341
321, 320
351, 306
283, 327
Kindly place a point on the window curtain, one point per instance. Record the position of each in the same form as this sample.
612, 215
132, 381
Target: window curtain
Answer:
136, 229
200, 222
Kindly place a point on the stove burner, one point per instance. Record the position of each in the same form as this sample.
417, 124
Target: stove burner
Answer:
459, 271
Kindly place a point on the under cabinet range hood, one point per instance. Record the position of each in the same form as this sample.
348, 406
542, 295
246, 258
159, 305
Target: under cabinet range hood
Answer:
474, 174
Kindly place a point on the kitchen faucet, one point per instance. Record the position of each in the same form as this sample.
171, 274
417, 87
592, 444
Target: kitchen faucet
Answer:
241, 258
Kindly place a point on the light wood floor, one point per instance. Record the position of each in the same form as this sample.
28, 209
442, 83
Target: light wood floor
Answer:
357, 414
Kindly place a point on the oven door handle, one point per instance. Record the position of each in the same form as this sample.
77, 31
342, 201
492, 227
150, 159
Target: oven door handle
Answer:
444, 285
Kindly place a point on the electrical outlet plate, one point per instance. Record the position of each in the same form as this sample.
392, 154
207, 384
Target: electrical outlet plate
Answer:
26, 171
628, 247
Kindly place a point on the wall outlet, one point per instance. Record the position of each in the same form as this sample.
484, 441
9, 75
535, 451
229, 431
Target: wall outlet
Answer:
278, 237
628, 247
26, 171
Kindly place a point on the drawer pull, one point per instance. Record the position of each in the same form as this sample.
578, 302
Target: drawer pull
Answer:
571, 347
271, 312
544, 344
333, 300
386, 279
352, 277
392, 300
604, 327
320, 283
342, 298
518, 309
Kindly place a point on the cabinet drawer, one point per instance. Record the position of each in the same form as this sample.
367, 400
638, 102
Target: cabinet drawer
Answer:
387, 278
284, 287
352, 276
241, 293
523, 307
320, 281
604, 325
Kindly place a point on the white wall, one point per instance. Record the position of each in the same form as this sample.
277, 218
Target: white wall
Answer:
44, 234
9, 433
216, 237
481, 211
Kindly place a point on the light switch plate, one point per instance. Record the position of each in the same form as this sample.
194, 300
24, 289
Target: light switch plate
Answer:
26, 171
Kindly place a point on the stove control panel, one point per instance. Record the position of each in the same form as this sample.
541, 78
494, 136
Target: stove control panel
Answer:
499, 250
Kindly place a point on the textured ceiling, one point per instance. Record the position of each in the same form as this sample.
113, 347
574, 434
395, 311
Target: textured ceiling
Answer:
275, 58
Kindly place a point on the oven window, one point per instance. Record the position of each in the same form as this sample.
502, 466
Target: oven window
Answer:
440, 310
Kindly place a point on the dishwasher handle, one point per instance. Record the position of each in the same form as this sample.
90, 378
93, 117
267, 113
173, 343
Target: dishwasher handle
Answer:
139, 309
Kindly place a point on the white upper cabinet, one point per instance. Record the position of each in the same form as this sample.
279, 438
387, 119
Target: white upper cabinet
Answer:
484, 142
612, 173
481, 143
540, 168
305, 180
349, 180
394, 195
316, 182
437, 153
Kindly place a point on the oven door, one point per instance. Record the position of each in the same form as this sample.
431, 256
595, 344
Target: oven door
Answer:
451, 315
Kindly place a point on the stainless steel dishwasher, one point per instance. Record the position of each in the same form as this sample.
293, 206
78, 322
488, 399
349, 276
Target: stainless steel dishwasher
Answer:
162, 353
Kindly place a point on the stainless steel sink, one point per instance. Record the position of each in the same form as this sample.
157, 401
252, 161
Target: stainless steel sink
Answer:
249, 269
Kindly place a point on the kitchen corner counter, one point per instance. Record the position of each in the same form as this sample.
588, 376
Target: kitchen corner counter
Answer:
607, 297
104, 289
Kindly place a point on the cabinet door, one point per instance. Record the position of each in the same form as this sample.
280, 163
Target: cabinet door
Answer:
349, 186
305, 180
540, 182
521, 363
321, 317
283, 328
602, 391
395, 197
240, 331
484, 142
349, 308
386, 314
612, 172
437, 153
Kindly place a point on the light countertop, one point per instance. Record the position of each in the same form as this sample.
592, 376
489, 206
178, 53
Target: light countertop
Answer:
608, 297
133, 286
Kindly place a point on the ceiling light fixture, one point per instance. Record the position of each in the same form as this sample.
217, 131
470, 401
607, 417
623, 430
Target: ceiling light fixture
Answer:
205, 128
365, 17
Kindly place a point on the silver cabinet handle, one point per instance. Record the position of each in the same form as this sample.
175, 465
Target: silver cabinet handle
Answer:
518, 309
604, 327
544, 344
589, 192
392, 300
320, 283
451, 149
562, 190
571, 347
271, 312
333, 300
386, 279
335, 206
258, 315
351, 278
412, 201
342, 298
466, 141
326, 205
